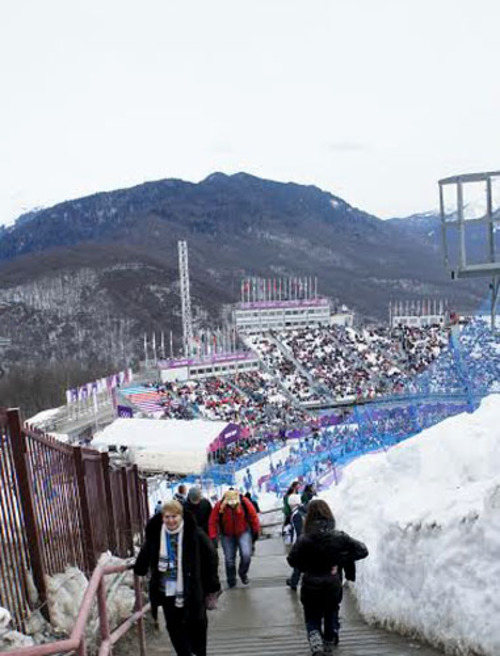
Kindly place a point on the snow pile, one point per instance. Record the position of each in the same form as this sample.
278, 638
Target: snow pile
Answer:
119, 591
65, 594
10, 639
429, 512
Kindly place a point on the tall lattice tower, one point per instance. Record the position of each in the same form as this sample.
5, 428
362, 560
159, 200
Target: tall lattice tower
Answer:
187, 323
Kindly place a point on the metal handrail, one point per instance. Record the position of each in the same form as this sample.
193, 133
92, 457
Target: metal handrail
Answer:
76, 641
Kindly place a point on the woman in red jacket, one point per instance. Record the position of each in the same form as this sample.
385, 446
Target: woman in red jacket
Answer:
234, 519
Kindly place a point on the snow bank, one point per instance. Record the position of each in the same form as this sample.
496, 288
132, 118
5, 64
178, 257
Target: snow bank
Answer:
429, 511
65, 593
10, 639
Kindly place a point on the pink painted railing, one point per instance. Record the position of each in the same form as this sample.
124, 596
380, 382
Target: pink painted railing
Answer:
77, 642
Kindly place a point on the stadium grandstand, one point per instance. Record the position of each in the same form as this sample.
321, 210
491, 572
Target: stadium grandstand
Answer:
319, 386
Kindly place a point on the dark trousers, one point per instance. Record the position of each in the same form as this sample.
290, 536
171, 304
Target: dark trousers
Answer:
323, 618
188, 636
295, 578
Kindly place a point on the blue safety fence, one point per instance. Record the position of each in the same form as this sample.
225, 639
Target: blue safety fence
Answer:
370, 428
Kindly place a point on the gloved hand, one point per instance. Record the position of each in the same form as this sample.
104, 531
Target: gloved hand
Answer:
211, 600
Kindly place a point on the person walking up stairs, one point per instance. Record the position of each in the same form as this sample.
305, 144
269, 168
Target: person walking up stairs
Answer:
235, 520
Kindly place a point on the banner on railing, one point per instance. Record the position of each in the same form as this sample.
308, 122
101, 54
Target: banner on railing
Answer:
106, 384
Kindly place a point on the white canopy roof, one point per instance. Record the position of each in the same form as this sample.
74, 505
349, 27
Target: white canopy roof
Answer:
171, 445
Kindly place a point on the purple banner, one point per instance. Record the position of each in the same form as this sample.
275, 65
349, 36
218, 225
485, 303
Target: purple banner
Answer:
260, 305
230, 434
84, 392
208, 359
124, 411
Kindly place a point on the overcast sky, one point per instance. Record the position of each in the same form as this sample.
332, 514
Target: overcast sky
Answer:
373, 100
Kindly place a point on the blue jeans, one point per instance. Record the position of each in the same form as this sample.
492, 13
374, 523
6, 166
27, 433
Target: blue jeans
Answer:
230, 545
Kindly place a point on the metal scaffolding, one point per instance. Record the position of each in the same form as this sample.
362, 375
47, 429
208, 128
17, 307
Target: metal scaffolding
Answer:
187, 323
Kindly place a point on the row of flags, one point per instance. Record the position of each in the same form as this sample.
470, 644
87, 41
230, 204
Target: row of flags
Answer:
279, 289
155, 348
204, 343
213, 342
420, 308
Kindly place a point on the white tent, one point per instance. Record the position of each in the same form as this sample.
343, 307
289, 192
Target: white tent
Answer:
171, 445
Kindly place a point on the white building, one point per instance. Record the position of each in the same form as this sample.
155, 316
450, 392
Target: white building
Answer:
418, 314
342, 317
263, 316
221, 364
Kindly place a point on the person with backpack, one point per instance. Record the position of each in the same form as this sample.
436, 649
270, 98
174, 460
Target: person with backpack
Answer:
235, 521
293, 489
181, 494
199, 507
296, 525
321, 553
308, 494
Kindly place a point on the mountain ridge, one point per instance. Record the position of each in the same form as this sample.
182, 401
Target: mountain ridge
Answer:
236, 225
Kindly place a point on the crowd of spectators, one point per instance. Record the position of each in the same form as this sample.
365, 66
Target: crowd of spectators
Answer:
275, 407
478, 354
313, 365
367, 363
291, 378
249, 447
349, 364
448, 372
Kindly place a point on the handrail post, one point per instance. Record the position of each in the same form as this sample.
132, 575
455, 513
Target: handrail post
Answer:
128, 518
103, 611
88, 550
140, 621
144, 489
19, 452
138, 498
109, 503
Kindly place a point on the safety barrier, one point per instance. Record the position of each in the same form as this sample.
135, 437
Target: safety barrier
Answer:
77, 640
60, 505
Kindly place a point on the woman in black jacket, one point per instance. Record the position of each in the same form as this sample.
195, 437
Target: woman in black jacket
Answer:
321, 553
184, 576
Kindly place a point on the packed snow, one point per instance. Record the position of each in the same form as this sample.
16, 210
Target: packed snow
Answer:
429, 511
65, 592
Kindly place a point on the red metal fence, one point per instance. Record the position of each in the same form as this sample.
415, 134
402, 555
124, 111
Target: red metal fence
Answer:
60, 505
15, 564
